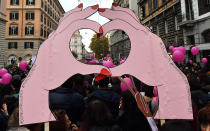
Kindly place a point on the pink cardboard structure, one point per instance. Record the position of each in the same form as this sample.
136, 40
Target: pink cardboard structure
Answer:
148, 61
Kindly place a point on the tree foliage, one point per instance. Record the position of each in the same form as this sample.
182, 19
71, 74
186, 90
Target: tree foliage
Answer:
99, 46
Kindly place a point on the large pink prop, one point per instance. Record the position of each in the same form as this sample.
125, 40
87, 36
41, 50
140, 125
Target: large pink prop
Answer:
128, 81
195, 50
3, 71
178, 56
6, 78
148, 61
204, 60
23, 65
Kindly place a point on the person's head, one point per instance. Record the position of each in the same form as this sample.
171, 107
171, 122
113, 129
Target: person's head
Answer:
62, 122
104, 83
96, 114
177, 125
204, 118
16, 83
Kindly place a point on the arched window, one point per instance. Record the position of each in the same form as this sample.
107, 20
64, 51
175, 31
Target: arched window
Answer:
29, 29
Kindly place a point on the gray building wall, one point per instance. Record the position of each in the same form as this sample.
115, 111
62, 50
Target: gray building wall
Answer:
2, 41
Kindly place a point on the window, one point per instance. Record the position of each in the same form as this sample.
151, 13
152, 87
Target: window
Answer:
191, 40
48, 33
143, 14
166, 27
14, 2
28, 45
30, 2
157, 30
41, 31
42, 4
176, 23
30, 16
163, 1
44, 20
48, 22
150, 6
41, 18
12, 45
45, 7
45, 33
13, 30
14, 16
155, 4
29, 30
189, 10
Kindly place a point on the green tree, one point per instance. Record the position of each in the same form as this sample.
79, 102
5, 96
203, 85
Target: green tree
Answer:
99, 46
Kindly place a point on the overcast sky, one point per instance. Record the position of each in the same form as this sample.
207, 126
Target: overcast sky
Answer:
86, 33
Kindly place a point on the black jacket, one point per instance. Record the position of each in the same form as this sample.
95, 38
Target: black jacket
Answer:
68, 100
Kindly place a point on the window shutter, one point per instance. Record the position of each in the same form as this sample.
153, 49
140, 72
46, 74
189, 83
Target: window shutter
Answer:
32, 31
15, 45
11, 2
16, 30
26, 2
26, 16
10, 16
10, 30
17, 16
26, 31
17, 2
9, 45
32, 16
33, 2
31, 45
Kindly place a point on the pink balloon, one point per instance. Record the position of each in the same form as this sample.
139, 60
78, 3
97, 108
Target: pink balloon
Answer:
108, 64
182, 49
195, 50
3, 71
6, 78
123, 87
171, 48
178, 56
155, 92
23, 65
92, 56
204, 60
105, 58
190, 61
174, 49
1, 82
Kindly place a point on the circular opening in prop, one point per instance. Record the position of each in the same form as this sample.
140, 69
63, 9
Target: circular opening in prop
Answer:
110, 50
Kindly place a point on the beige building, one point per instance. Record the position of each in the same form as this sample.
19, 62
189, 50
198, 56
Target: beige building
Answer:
76, 45
29, 24
2, 31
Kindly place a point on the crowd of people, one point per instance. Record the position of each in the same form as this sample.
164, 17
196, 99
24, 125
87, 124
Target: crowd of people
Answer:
92, 103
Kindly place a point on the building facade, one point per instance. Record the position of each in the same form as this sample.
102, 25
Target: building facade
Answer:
2, 31
119, 42
29, 24
163, 17
196, 27
120, 45
76, 45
